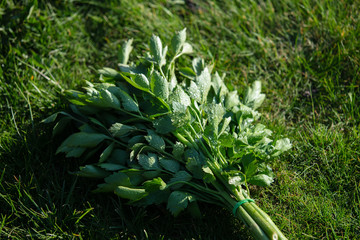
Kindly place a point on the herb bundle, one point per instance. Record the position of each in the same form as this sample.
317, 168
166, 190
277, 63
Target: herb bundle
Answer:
161, 133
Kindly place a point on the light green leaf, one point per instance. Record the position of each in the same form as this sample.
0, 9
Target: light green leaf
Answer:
156, 49
225, 124
178, 41
203, 81
163, 59
169, 164
187, 72
154, 185
110, 73
173, 81
281, 146
236, 180
178, 201
232, 100
178, 95
133, 194
125, 51
226, 140
253, 97
159, 86
261, 180
155, 140
187, 48
219, 86
139, 85
142, 81
194, 92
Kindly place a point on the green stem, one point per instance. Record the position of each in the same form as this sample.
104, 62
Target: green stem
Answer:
244, 216
262, 219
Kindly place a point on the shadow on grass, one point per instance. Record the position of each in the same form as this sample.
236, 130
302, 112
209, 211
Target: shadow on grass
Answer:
39, 198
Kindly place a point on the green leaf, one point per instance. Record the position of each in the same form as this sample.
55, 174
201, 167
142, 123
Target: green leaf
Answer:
51, 118
178, 149
203, 81
125, 51
136, 83
169, 164
226, 140
261, 180
178, 41
208, 175
83, 140
187, 49
74, 152
232, 100
236, 180
154, 185
133, 194
109, 73
136, 139
194, 92
178, 95
156, 197
92, 171
155, 140
118, 179
127, 101
198, 65
121, 130
156, 49
61, 125
180, 176
163, 125
178, 201
142, 81
215, 114
187, 72
111, 166
149, 162
107, 100
219, 86
118, 156
151, 174
159, 86
253, 97
224, 125
106, 153
281, 146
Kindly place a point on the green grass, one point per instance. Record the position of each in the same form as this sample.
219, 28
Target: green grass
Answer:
305, 52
